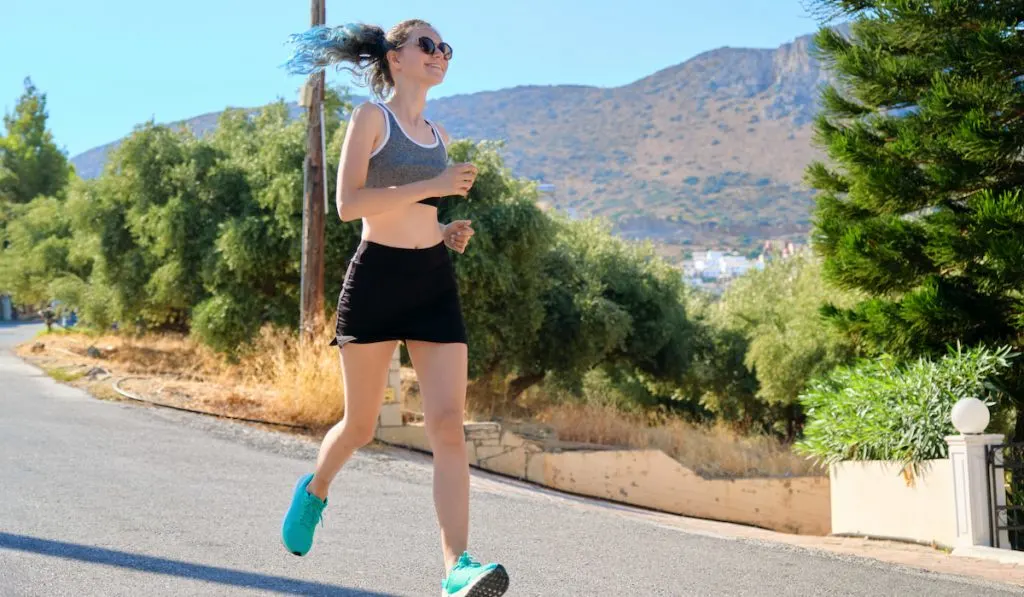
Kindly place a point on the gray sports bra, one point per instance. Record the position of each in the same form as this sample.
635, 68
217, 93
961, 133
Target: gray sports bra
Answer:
400, 160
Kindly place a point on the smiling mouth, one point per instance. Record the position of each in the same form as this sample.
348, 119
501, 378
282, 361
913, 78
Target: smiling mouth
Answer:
435, 67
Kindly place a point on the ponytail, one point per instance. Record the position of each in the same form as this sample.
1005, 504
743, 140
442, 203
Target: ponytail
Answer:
364, 48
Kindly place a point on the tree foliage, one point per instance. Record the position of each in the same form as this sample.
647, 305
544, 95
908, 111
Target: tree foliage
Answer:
549, 298
40, 250
34, 229
31, 164
182, 233
920, 204
768, 339
613, 305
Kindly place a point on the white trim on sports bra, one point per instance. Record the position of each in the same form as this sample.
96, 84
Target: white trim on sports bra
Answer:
387, 130
437, 137
437, 134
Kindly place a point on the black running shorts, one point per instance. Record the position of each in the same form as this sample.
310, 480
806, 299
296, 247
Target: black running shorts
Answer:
393, 293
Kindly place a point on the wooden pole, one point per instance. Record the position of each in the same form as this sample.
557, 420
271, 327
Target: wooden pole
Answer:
314, 201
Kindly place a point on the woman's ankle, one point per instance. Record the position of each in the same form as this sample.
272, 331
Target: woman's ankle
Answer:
450, 559
317, 489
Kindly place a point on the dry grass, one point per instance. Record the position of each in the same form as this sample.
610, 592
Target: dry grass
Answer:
302, 379
279, 378
282, 379
165, 354
711, 451
717, 451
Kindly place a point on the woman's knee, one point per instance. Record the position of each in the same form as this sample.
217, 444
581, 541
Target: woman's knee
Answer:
445, 428
359, 433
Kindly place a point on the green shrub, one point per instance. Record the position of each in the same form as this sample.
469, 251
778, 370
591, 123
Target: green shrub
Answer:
884, 410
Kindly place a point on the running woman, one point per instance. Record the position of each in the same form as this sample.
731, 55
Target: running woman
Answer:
400, 284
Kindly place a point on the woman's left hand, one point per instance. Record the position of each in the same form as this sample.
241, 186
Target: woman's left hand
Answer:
457, 235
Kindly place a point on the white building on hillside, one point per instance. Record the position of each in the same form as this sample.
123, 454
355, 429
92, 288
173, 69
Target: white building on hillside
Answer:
717, 265
714, 269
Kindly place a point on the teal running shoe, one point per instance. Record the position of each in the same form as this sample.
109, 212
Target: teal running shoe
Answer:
300, 522
469, 578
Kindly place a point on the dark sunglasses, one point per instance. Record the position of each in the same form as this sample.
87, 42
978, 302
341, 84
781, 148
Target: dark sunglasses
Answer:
428, 46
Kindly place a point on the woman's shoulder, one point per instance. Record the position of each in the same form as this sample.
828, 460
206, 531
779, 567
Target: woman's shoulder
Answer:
369, 116
368, 110
440, 130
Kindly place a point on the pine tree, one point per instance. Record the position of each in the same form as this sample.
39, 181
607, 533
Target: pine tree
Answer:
31, 164
921, 205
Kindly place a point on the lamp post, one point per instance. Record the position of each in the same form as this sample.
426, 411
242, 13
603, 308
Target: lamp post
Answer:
979, 493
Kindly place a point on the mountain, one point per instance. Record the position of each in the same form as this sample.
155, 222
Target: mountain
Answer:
710, 152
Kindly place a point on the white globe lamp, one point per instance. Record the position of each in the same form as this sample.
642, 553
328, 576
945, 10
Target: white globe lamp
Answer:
970, 416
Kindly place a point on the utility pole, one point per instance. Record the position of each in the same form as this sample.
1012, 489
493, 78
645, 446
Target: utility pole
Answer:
314, 199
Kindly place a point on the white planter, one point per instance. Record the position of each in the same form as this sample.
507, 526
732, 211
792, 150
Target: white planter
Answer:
872, 498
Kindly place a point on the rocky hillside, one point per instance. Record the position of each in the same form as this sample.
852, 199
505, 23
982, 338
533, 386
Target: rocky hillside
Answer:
708, 152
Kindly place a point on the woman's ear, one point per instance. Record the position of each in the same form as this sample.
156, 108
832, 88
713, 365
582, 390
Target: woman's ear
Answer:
393, 59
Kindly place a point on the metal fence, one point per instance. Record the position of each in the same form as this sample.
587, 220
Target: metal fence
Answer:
1007, 460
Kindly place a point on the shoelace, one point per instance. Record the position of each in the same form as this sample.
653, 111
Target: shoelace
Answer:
464, 561
311, 516
467, 561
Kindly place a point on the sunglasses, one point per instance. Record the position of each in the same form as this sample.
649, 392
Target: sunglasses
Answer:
429, 47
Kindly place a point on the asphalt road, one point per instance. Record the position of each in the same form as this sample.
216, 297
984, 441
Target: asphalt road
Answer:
105, 498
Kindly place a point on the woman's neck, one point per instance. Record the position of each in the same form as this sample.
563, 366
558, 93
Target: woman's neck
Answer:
408, 103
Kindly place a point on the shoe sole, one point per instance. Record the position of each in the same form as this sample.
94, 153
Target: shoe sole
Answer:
492, 584
295, 553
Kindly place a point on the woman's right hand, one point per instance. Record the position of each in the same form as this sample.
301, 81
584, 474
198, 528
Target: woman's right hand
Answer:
457, 179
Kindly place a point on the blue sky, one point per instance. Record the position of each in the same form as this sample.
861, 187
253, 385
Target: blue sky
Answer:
107, 65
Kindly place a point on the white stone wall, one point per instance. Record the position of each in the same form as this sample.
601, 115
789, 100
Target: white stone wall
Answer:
873, 498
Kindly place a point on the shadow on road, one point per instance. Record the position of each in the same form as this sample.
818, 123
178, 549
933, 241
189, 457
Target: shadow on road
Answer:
224, 576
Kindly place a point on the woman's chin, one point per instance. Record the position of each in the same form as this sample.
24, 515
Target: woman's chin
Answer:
434, 78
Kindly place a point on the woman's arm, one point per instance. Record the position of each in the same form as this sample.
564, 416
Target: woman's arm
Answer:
445, 140
354, 200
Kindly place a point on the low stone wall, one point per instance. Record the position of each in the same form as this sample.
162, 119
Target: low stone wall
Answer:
874, 498
646, 478
652, 479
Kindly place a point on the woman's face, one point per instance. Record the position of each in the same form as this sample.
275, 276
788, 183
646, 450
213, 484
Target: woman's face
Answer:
415, 63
